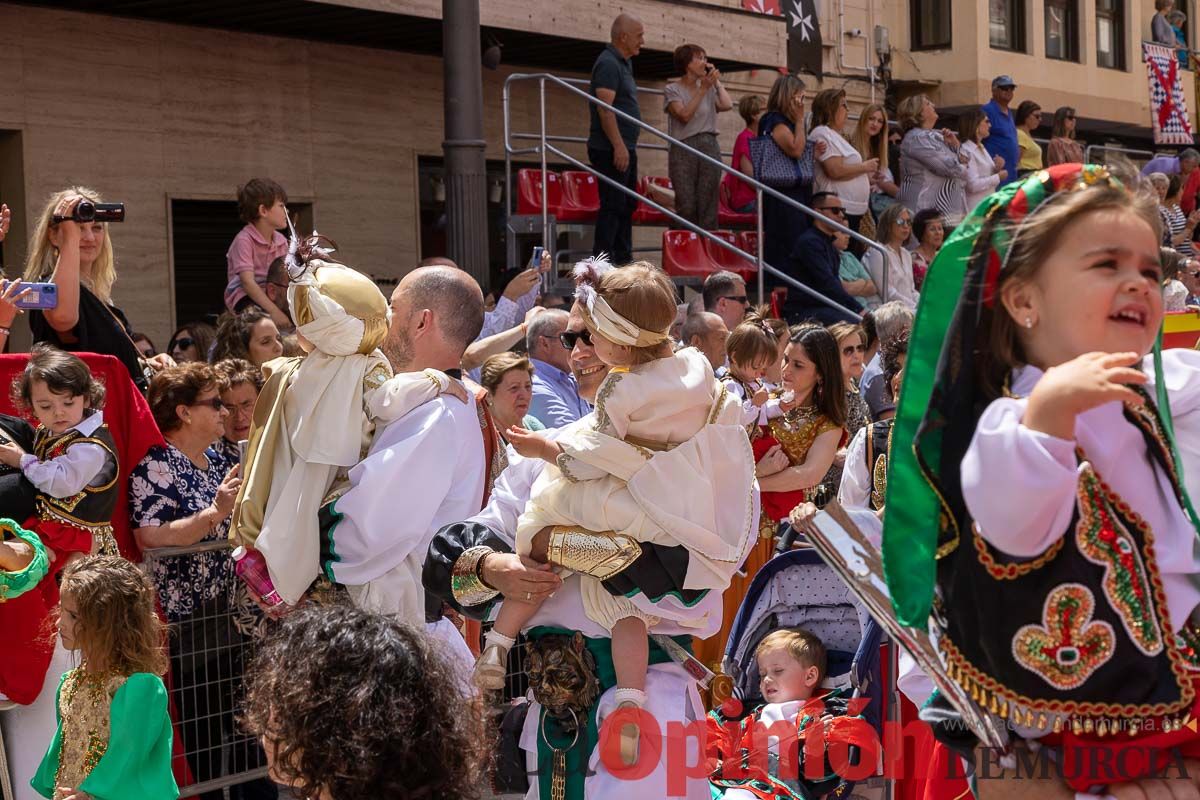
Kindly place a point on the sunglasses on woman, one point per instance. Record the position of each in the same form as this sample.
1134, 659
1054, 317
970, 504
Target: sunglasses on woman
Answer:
851, 349
183, 343
568, 338
214, 403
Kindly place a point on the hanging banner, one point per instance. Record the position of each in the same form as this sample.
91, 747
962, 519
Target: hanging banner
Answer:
1168, 106
804, 37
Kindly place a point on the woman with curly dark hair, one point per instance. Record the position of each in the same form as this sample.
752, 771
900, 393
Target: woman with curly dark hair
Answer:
352, 705
249, 335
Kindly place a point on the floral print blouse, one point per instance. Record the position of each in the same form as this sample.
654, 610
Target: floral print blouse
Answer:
166, 486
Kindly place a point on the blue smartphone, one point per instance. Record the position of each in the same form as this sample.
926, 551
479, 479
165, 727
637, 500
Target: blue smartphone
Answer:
536, 261
41, 296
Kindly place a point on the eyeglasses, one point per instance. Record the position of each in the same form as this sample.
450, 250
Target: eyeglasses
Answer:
568, 338
841, 212
183, 343
851, 349
213, 402
904, 222
737, 298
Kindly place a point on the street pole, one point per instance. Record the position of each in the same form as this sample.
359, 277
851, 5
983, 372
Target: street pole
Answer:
466, 165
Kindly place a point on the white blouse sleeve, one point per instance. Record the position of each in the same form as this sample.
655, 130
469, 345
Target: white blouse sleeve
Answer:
855, 489
1018, 484
66, 475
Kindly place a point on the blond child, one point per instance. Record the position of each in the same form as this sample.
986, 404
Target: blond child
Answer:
114, 733
664, 459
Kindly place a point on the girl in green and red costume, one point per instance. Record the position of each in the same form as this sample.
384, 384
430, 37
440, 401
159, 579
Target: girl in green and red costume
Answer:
1041, 527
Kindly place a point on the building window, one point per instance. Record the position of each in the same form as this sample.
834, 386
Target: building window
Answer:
1062, 30
930, 24
1110, 33
1006, 20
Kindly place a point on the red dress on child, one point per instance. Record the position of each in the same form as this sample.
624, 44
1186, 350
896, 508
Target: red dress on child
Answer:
29, 632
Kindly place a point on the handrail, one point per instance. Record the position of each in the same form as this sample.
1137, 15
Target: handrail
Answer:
759, 187
1087, 152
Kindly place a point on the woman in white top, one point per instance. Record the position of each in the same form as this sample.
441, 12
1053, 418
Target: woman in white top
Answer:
984, 172
892, 231
840, 169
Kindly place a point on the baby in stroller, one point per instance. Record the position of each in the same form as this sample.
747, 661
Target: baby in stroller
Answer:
791, 665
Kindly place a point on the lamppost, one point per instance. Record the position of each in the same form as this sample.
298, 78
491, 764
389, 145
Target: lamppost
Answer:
464, 145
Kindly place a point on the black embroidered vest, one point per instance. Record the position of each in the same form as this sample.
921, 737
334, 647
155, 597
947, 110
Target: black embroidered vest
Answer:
879, 447
1078, 636
92, 507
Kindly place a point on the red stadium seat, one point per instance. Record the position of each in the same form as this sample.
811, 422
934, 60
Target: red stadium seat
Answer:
748, 241
727, 259
581, 196
529, 192
684, 255
727, 216
647, 215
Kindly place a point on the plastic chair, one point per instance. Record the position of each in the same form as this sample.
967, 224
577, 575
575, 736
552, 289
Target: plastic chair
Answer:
647, 215
529, 192
684, 255
581, 197
727, 259
726, 216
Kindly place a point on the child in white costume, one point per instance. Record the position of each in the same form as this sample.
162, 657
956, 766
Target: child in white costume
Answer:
666, 461
306, 434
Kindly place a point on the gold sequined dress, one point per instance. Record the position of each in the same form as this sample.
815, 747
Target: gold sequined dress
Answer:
113, 739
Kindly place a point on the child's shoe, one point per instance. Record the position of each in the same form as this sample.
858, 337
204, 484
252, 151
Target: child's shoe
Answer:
630, 734
492, 665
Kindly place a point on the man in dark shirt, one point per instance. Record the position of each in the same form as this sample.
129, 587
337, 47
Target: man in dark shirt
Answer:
814, 262
612, 142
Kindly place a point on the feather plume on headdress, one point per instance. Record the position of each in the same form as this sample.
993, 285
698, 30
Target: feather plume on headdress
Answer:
303, 251
587, 275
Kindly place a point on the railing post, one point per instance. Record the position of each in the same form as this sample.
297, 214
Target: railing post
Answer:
762, 278
545, 181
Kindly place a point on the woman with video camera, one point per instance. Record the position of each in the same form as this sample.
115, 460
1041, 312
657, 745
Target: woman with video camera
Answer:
71, 248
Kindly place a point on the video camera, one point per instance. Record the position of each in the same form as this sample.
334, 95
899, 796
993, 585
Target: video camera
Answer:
87, 211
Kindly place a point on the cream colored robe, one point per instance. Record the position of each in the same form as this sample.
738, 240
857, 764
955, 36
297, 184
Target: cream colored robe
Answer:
667, 462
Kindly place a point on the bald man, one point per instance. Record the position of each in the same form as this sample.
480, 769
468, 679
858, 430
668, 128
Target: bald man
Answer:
612, 142
707, 333
424, 470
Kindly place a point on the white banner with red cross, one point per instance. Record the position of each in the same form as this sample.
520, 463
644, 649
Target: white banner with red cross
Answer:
1168, 106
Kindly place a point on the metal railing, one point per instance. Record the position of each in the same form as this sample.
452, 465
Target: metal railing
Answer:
1087, 152
209, 651
545, 146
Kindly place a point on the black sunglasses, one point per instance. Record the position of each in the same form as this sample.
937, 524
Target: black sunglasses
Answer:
737, 298
850, 349
182, 343
214, 402
568, 338
841, 212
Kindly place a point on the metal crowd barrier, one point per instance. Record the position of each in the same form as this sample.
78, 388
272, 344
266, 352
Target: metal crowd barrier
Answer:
209, 652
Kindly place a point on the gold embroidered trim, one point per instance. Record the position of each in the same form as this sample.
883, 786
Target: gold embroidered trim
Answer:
1008, 572
606, 390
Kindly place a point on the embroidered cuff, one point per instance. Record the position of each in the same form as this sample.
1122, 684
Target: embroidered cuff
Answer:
466, 584
17, 583
26, 460
563, 461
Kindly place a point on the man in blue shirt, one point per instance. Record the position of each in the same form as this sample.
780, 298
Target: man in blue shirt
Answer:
556, 399
612, 142
814, 262
1002, 141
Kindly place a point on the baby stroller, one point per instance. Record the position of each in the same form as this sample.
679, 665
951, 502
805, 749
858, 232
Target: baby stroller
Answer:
797, 589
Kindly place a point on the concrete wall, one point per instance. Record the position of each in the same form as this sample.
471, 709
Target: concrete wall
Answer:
147, 112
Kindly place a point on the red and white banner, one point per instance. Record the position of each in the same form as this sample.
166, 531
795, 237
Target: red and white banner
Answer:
1168, 106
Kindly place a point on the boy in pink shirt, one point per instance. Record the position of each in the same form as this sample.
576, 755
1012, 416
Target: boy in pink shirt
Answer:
262, 205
